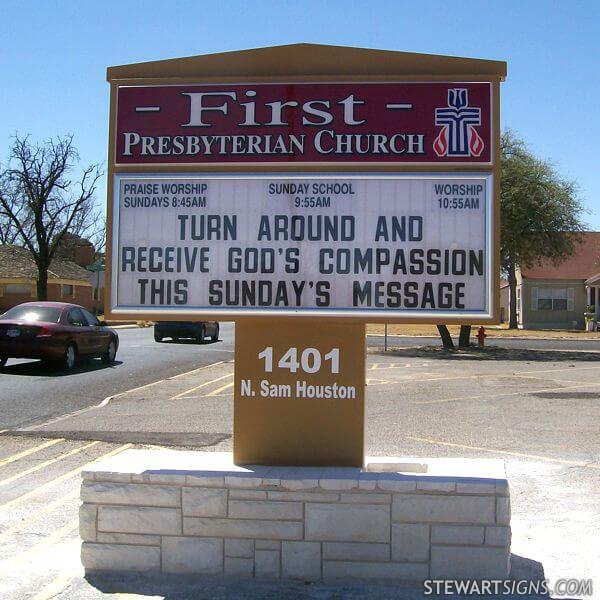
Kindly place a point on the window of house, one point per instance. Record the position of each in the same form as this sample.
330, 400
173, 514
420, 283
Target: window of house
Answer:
22, 289
67, 291
546, 298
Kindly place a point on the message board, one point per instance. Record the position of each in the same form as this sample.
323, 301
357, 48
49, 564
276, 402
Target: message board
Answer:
392, 245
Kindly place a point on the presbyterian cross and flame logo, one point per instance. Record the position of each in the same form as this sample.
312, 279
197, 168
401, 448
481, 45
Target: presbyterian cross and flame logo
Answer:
458, 120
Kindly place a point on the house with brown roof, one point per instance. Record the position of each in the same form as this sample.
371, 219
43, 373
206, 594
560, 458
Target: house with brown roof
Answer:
553, 296
67, 281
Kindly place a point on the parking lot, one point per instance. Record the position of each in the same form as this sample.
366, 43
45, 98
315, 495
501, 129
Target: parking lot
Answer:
537, 409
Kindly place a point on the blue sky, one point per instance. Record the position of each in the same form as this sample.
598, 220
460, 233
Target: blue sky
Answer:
54, 54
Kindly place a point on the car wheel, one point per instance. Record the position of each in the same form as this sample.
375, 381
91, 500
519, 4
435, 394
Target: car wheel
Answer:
157, 337
111, 352
215, 338
3, 361
69, 357
201, 335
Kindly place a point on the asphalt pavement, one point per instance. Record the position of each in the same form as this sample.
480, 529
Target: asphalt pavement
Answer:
31, 393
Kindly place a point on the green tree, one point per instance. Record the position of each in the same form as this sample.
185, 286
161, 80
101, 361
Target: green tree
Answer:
541, 214
40, 203
541, 218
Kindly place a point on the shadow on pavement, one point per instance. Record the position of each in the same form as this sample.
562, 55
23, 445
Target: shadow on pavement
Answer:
230, 588
161, 438
493, 353
191, 341
39, 368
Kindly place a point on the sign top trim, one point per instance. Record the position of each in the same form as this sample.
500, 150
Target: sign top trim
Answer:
317, 60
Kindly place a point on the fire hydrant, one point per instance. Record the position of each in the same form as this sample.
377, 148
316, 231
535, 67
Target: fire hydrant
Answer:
481, 335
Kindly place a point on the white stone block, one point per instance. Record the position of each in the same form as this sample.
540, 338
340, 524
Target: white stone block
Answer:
366, 498
375, 570
339, 483
132, 539
301, 560
391, 482
347, 522
193, 556
141, 519
271, 482
119, 557
497, 536
239, 548
267, 544
410, 542
443, 509
468, 562
502, 488
356, 551
205, 480
503, 511
367, 481
242, 528
457, 534
247, 495
266, 563
257, 509
436, 484
295, 485
204, 502
239, 567
87, 522
476, 486
175, 479
111, 476
303, 496
241, 481
138, 494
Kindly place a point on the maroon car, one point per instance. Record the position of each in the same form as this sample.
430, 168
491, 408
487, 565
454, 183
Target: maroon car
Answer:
57, 332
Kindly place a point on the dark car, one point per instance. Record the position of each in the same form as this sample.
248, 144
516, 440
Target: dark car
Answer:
180, 330
56, 332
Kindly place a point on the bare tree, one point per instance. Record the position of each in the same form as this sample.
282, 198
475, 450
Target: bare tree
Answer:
8, 232
39, 203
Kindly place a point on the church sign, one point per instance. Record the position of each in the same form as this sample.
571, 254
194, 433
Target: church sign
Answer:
303, 191
302, 123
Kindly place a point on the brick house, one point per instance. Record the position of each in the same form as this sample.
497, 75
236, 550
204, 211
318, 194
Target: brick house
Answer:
553, 296
67, 281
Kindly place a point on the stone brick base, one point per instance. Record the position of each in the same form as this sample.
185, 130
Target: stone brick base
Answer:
197, 513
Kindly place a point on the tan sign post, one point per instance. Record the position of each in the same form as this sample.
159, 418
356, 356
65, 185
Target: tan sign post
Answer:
304, 191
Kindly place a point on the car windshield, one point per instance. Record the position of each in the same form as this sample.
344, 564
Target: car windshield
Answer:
32, 314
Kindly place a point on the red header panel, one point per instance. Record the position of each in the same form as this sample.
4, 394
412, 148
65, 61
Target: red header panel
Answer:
431, 123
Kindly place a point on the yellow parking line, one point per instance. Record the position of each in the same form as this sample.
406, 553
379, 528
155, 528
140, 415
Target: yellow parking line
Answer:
63, 477
219, 362
45, 464
33, 450
198, 387
507, 452
502, 394
54, 588
22, 557
220, 389
21, 525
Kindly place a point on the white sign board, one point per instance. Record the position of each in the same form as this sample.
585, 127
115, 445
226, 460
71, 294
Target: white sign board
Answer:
351, 245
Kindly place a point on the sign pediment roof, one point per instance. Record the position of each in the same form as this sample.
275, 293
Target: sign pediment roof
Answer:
316, 60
